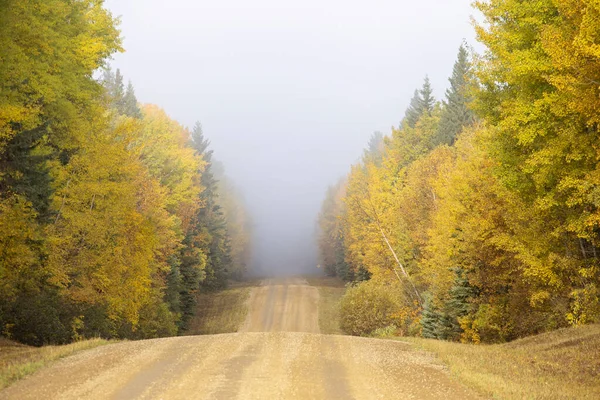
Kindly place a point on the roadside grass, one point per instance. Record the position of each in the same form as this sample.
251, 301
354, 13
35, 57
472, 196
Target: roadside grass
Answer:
558, 365
564, 364
221, 312
18, 360
331, 291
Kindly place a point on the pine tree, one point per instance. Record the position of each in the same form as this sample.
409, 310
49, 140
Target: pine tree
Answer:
374, 151
362, 274
130, 103
456, 112
121, 99
458, 305
118, 91
427, 99
430, 320
422, 102
212, 225
342, 269
414, 110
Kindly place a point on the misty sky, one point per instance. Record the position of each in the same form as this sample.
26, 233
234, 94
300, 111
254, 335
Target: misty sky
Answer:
288, 92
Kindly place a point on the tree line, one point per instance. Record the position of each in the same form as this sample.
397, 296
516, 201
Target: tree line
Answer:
477, 219
113, 216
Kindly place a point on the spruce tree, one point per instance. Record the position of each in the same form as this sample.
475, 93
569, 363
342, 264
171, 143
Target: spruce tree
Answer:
422, 102
362, 274
130, 103
211, 220
444, 323
414, 111
342, 269
121, 99
430, 320
374, 151
118, 90
427, 98
456, 114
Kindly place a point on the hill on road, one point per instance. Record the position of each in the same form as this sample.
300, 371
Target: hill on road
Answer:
278, 354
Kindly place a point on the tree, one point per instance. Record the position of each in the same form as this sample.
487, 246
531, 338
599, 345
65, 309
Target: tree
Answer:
239, 224
427, 99
332, 256
421, 104
375, 148
456, 114
106, 228
539, 92
210, 220
33, 36
167, 151
48, 104
121, 99
414, 111
110, 226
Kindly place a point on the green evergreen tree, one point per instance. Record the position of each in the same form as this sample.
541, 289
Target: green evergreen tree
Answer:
342, 269
422, 102
24, 170
444, 323
456, 114
120, 98
374, 151
130, 103
430, 320
414, 111
362, 274
118, 91
427, 98
211, 220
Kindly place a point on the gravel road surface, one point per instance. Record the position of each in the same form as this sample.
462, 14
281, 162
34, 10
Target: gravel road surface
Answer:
278, 354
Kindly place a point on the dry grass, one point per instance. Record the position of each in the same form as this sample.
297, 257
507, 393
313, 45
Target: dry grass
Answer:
331, 291
564, 364
18, 360
221, 312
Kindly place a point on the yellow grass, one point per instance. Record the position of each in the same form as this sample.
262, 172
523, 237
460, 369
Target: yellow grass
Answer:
221, 312
18, 360
331, 291
564, 364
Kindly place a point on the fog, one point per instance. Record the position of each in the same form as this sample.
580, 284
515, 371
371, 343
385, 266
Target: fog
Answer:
288, 92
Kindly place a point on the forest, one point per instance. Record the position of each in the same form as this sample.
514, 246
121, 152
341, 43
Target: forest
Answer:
113, 216
477, 218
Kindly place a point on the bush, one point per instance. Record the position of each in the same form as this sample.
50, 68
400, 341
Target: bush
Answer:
369, 306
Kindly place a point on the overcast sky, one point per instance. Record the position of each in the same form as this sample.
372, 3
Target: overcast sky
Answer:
288, 92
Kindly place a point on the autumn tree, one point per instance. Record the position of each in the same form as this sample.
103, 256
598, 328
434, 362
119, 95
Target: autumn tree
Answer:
539, 94
100, 199
45, 114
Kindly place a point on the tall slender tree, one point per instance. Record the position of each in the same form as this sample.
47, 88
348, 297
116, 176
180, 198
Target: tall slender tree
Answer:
130, 103
212, 226
456, 114
423, 102
414, 111
427, 98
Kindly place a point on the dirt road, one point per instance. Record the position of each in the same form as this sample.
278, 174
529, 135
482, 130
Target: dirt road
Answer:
273, 364
283, 305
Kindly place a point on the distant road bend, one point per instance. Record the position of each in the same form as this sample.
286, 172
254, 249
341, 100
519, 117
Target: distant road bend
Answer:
279, 354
